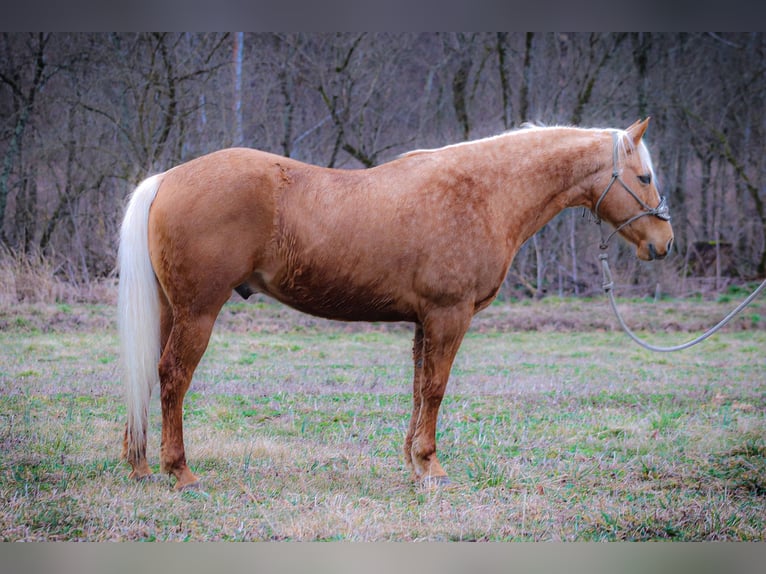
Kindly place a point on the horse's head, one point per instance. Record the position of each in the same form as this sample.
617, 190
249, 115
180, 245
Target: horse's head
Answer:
629, 199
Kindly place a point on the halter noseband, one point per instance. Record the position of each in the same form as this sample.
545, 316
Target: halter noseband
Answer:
662, 210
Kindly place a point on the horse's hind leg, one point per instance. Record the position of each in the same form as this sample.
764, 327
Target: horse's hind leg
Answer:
186, 343
137, 460
140, 466
417, 359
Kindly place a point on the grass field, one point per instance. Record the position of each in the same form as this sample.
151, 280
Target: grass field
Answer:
555, 427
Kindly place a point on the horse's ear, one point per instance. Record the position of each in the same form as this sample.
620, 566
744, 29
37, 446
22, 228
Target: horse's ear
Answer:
637, 130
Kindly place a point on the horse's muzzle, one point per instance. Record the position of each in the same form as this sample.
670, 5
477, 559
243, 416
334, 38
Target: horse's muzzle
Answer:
653, 254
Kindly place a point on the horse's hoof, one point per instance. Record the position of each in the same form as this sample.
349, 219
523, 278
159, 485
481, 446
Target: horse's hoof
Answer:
436, 482
142, 476
181, 486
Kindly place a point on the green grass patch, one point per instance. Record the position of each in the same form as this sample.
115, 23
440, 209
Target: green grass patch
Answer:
297, 435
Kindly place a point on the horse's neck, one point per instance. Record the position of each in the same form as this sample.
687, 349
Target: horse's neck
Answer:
549, 172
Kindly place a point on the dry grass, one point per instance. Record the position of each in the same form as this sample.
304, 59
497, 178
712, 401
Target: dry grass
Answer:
33, 279
296, 427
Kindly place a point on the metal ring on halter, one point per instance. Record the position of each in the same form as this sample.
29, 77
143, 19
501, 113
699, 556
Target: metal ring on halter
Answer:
662, 210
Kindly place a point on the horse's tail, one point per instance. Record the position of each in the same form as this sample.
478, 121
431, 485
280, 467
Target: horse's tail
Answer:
138, 316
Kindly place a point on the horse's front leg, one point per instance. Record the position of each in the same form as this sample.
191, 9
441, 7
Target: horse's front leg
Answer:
442, 333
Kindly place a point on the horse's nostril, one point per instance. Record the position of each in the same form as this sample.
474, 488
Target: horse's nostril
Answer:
669, 246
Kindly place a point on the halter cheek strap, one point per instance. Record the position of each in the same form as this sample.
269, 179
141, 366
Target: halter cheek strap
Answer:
662, 210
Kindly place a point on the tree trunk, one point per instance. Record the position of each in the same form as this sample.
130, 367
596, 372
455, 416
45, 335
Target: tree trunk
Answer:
539, 265
526, 78
505, 89
642, 43
24, 109
589, 79
239, 41
460, 96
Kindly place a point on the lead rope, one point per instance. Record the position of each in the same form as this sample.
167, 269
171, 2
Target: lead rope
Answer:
608, 290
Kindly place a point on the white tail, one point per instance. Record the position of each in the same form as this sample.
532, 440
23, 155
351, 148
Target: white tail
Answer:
138, 315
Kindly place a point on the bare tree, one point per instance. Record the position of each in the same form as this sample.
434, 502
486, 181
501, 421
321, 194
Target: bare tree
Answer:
20, 54
83, 117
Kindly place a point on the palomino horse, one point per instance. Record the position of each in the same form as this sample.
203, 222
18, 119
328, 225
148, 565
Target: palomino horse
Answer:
426, 238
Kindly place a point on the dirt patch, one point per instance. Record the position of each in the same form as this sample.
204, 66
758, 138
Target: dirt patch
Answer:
547, 315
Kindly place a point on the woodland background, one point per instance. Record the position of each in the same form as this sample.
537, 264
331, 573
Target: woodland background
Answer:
85, 117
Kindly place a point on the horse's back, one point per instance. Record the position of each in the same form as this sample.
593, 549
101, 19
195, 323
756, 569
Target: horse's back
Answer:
373, 244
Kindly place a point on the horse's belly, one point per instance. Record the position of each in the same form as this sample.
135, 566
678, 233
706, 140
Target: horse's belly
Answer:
344, 306
335, 298
347, 309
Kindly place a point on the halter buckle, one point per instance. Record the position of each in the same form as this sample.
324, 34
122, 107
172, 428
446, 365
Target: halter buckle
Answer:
662, 210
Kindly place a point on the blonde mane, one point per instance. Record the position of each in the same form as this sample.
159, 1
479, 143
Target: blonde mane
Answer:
455, 145
625, 144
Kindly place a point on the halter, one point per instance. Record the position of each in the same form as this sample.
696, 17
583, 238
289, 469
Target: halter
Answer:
662, 210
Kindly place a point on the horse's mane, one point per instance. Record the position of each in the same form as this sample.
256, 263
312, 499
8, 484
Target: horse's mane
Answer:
625, 144
455, 145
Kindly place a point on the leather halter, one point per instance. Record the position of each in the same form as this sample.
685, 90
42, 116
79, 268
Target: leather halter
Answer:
662, 211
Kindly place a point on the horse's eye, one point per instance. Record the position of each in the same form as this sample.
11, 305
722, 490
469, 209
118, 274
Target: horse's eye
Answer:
645, 179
